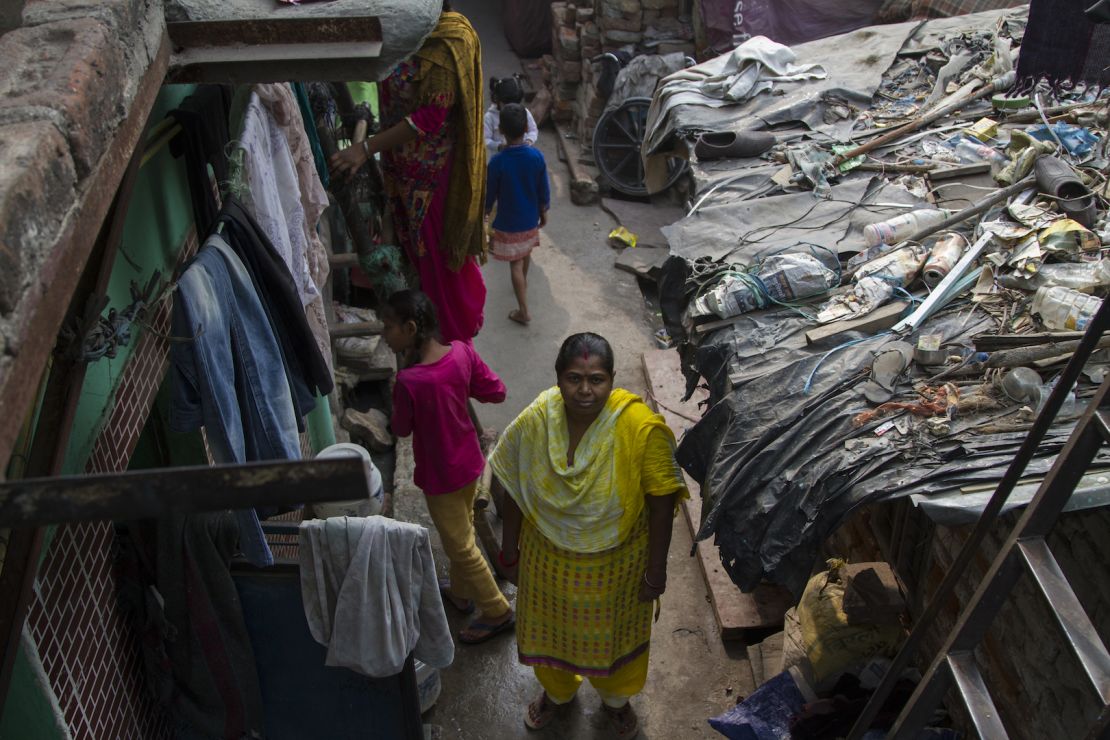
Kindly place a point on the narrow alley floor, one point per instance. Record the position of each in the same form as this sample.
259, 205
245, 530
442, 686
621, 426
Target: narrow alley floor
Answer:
573, 286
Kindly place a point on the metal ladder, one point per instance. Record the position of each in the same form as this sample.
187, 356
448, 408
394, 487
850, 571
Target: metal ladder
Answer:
1025, 550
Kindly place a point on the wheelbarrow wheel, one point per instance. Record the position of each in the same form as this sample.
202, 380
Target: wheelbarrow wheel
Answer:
617, 139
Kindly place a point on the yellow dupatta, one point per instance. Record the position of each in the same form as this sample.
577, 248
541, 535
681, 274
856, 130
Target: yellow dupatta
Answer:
594, 504
453, 46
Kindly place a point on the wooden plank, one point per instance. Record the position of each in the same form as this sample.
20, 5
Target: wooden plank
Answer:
755, 659
355, 329
155, 493
276, 30
992, 342
880, 319
739, 616
771, 652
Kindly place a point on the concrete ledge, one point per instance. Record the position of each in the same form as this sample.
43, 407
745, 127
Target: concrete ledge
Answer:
74, 68
37, 182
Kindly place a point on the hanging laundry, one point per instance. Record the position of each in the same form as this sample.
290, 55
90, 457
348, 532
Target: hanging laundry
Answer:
307, 369
370, 594
228, 375
279, 100
203, 142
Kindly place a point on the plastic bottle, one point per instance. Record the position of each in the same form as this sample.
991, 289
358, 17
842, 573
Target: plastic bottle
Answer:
944, 255
1082, 276
1063, 309
895, 230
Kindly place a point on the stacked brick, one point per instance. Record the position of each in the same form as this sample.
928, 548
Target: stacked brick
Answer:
585, 29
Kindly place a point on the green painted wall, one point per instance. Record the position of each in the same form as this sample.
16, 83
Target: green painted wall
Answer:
158, 219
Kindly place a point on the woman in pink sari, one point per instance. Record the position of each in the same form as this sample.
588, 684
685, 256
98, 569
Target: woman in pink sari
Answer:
433, 161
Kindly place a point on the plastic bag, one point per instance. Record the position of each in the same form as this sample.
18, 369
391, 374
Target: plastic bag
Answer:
779, 279
831, 644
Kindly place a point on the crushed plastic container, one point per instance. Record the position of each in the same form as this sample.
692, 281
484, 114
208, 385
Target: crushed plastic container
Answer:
895, 230
899, 267
1064, 309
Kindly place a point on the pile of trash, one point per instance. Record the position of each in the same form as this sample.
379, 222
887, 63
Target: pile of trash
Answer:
880, 302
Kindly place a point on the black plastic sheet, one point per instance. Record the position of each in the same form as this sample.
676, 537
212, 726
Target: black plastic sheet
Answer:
780, 461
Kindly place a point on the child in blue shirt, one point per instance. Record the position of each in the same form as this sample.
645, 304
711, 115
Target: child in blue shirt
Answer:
517, 184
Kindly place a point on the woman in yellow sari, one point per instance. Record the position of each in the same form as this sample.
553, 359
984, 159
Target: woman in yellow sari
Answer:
592, 489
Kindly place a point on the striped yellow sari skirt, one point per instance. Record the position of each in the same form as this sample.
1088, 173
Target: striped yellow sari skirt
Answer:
580, 612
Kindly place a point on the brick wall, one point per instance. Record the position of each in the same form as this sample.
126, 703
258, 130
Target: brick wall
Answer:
89, 651
1034, 681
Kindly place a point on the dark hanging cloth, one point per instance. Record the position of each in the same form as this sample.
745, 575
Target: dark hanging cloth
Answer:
176, 584
1062, 44
301, 94
203, 141
306, 367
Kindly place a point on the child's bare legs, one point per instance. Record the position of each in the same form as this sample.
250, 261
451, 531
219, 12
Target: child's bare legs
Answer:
518, 271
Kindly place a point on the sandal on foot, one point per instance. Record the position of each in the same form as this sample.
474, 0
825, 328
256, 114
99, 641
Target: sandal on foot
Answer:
515, 315
466, 606
485, 630
625, 723
539, 713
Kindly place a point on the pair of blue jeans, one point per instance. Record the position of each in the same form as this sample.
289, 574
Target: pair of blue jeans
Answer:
228, 374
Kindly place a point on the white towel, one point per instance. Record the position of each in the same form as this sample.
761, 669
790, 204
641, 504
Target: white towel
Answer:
371, 595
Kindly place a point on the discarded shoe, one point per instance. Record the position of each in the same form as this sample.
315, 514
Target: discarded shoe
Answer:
886, 368
1058, 179
734, 144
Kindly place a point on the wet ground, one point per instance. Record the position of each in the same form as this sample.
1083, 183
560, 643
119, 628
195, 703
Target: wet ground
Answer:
574, 287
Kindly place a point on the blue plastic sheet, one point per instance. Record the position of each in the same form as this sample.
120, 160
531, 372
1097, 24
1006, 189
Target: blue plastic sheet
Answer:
1077, 140
766, 714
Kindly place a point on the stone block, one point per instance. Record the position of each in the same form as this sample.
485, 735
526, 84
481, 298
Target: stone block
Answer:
566, 91
659, 4
620, 24
649, 17
37, 182
69, 73
589, 32
667, 28
622, 37
570, 72
561, 15
583, 15
630, 7
610, 9
669, 47
567, 47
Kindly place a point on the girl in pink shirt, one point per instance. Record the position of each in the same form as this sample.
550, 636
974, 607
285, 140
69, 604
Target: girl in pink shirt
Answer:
430, 403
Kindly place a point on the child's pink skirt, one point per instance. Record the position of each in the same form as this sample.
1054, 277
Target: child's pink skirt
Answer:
510, 246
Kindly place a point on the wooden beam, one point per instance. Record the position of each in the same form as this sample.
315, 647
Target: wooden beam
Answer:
993, 342
149, 494
739, 615
880, 319
355, 329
